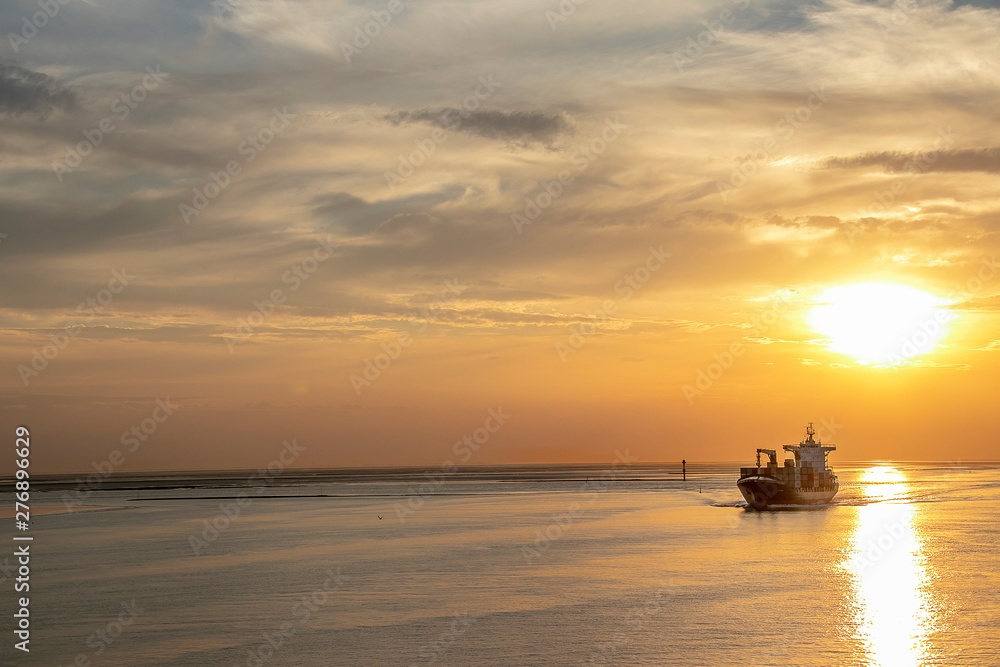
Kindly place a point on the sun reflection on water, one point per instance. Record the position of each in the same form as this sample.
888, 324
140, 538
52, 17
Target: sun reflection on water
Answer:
889, 574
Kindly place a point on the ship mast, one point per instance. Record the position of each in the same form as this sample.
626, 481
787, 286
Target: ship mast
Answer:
810, 431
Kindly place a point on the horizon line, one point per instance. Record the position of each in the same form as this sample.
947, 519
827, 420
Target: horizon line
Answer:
439, 467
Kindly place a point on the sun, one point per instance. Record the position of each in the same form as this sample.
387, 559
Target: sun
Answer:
880, 323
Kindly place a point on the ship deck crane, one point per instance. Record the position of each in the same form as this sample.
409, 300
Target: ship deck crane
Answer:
771, 455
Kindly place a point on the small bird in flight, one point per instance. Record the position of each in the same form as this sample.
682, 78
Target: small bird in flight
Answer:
379, 516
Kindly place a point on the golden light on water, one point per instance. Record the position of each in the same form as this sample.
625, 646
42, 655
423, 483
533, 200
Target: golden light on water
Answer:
880, 323
889, 574
883, 483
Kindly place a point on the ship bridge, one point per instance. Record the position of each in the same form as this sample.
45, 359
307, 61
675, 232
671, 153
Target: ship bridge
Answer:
810, 453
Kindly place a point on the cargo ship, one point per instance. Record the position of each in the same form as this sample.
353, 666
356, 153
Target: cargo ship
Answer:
805, 479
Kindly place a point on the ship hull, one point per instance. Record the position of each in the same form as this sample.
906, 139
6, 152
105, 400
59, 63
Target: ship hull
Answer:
762, 492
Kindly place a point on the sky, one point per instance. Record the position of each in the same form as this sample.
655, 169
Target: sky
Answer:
483, 232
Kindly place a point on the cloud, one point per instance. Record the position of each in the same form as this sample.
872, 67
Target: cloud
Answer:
894, 162
988, 303
23, 91
987, 4
357, 216
531, 126
703, 190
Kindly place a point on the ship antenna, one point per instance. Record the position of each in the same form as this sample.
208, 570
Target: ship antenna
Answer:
810, 431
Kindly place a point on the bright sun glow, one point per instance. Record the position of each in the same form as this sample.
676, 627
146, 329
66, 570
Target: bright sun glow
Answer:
880, 323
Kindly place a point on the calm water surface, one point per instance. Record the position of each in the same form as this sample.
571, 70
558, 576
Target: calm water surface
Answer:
550, 567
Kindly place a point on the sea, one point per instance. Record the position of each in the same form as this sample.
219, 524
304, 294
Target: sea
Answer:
510, 565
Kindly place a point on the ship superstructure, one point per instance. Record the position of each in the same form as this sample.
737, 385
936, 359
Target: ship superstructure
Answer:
805, 479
